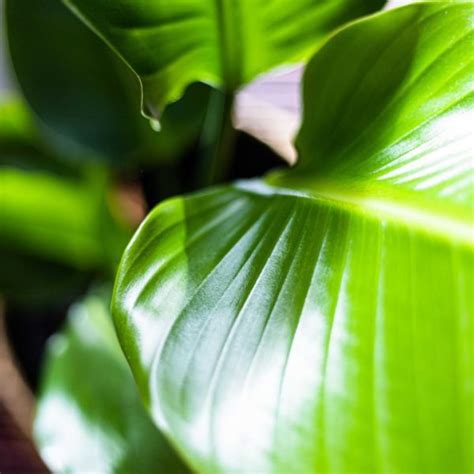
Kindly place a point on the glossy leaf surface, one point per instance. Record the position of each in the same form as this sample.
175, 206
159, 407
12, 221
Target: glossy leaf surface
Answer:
321, 320
223, 43
90, 418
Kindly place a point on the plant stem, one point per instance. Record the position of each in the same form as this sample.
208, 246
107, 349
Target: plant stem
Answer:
217, 141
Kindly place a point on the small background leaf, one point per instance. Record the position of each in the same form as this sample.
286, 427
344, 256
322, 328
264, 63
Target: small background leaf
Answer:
90, 418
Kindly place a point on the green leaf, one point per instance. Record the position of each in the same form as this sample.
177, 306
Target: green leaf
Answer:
223, 43
86, 99
89, 417
32, 274
321, 320
31, 283
22, 146
16, 123
64, 220
56, 226
180, 128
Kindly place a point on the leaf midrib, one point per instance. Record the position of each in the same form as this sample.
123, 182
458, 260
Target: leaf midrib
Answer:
227, 25
379, 203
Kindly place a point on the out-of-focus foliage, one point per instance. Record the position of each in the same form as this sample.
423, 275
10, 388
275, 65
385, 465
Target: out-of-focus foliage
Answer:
90, 418
21, 145
65, 220
57, 222
66, 223
16, 124
320, 319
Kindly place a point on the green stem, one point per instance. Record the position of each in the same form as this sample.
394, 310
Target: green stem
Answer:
217, 141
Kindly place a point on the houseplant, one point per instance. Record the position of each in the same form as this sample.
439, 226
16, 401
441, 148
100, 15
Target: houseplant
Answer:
318, 318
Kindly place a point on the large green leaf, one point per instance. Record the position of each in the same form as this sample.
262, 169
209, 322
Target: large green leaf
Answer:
171, 44
321, 320
90, 418
85, 97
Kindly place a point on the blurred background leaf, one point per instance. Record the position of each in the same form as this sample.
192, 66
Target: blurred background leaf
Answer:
86, 98
90, 417
57, 220
66, 222
16, 123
